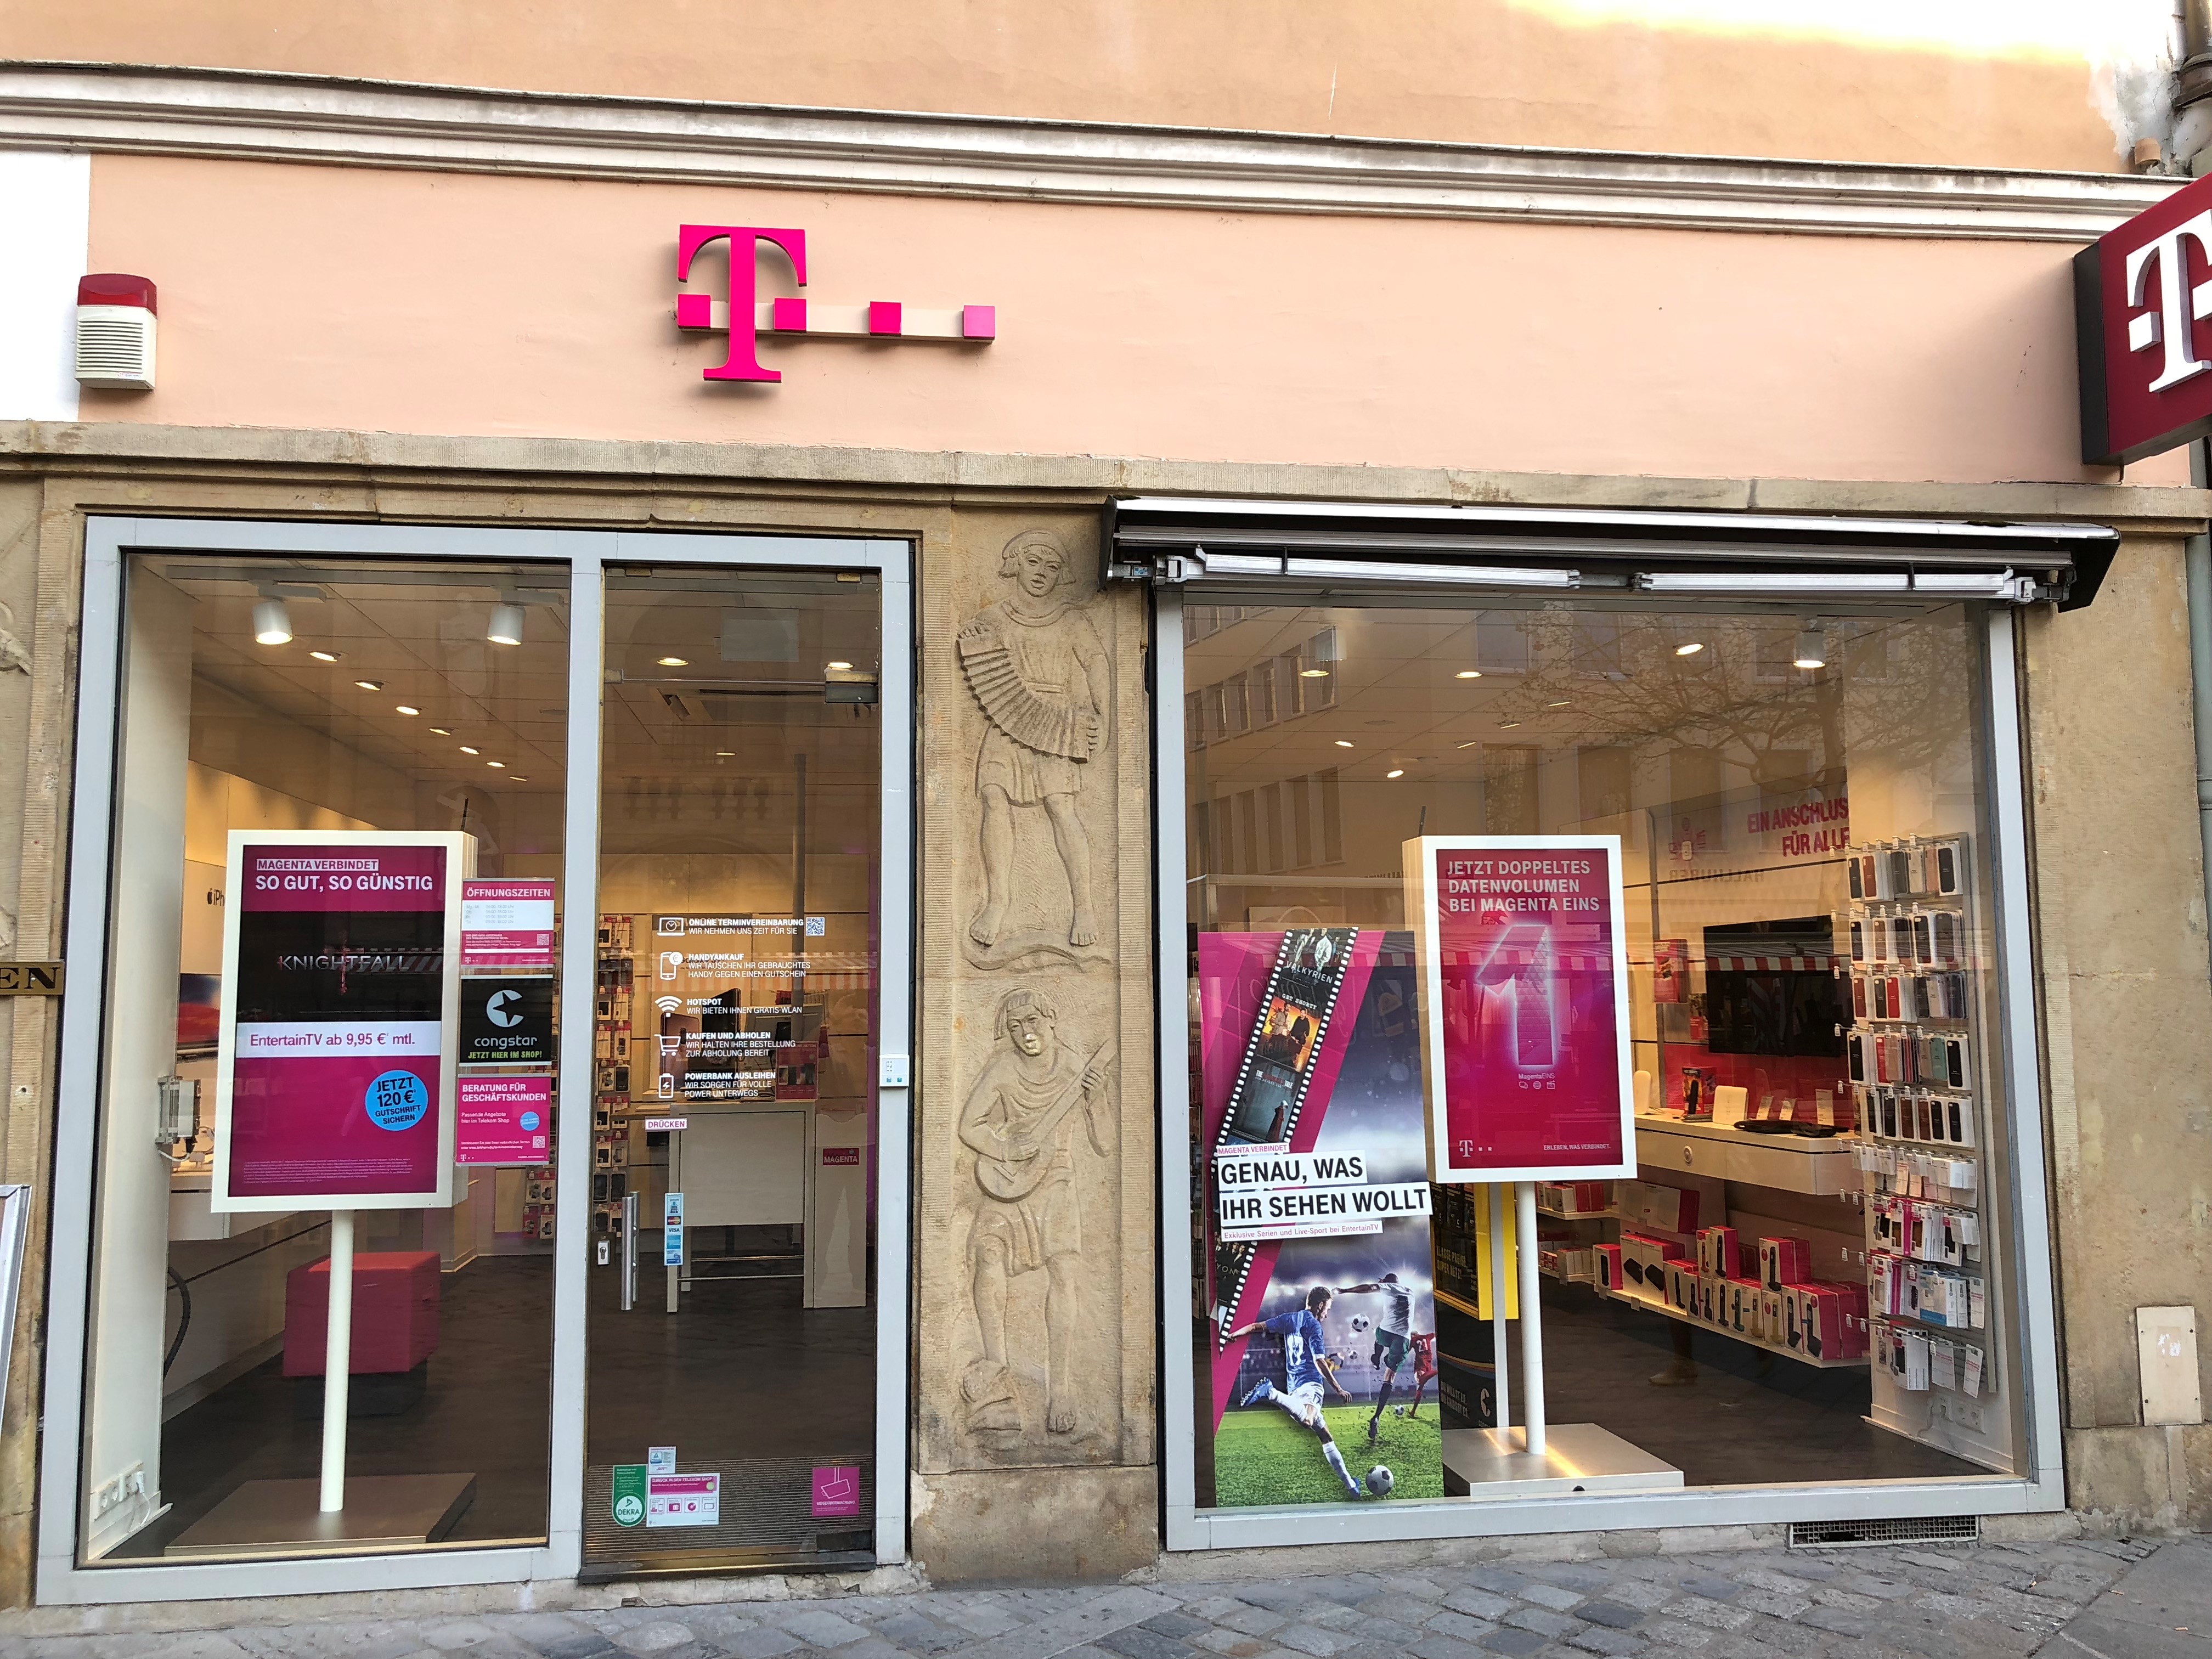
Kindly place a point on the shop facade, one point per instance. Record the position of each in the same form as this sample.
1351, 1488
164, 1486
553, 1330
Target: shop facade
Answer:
942, 642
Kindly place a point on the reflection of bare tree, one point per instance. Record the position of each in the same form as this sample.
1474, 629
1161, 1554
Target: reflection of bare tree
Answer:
1910, 681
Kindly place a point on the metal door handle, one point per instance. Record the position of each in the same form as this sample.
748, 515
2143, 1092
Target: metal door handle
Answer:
630, 1251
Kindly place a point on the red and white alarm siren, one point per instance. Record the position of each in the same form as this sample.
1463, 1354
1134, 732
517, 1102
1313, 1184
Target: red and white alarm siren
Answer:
115, 332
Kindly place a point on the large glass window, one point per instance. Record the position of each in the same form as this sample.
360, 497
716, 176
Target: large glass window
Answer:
1806, 1280
369, 737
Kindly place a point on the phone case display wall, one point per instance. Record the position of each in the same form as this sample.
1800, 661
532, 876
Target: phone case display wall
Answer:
611, 1081
1913, 1046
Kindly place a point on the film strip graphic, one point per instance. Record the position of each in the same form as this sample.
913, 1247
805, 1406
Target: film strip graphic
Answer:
1273, 1076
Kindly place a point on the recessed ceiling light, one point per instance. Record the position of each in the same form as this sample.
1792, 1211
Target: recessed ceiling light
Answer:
324, 656
1344, 743
1470, 744
1468, 674
407, 709
500, 765
516, 777
1507, 726
370, 685
1690, 649
465, 750
726, 754
1313, 674
440, 732
1397, 772
841, 666
676, 662
1560, 704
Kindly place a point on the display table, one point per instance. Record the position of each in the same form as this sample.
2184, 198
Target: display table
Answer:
1821, 1166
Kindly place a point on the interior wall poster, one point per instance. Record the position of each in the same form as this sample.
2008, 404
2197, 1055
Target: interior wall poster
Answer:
1524, 1007
341, 996
1323, 1317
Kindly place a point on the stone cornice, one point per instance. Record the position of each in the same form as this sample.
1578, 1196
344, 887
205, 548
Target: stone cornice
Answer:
650, 473
317, 120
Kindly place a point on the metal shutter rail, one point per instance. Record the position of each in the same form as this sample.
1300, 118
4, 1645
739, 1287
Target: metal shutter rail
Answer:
1701, 555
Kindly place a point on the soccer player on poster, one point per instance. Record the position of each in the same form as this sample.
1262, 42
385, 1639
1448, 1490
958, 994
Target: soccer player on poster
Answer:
1394, 1338
1306, 1380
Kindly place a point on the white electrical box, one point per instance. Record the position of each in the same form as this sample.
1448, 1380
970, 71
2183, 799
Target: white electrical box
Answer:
2166, 1351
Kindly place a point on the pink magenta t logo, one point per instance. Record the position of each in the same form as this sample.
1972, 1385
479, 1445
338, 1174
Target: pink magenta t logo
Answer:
747, 317
743, 361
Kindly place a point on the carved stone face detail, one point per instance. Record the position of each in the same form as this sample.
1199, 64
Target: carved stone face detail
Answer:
1036, 567
1031, 1030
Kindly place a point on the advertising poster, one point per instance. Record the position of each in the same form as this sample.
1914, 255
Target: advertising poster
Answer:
727, 1025
335, 1072
507, 925
1524, 1015
503, 1120
1318, 1194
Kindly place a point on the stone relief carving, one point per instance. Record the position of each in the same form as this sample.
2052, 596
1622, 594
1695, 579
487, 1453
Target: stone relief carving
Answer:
1035, 665
1020, 1120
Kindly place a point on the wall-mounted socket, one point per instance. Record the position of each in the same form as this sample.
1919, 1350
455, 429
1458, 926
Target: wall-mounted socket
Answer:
120, 1490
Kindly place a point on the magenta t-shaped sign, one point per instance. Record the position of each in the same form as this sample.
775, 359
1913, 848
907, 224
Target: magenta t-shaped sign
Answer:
881, 322
694, 310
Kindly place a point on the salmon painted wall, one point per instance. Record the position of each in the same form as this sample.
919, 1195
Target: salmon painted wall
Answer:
458, 304
2013, 83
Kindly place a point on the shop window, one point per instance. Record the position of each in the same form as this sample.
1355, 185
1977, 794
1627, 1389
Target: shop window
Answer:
1262, 680
1818, 1228
1236, 707
1502, 644
322, 766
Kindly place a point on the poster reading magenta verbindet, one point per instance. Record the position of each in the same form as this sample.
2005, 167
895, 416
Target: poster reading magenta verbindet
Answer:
341, 986
1524, 1011
1319, 1272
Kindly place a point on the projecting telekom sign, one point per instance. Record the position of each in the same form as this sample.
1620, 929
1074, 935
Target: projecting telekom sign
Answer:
2142, 294
747, 317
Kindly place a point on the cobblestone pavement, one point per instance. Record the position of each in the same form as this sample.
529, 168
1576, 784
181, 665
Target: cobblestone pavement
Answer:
2089, 1599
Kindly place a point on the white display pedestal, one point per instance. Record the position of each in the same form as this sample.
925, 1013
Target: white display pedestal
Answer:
1536, 1459
323, 1516
1576, 1457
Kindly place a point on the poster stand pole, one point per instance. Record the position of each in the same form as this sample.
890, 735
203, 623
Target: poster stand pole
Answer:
1501, 1391
1532, 1323
337, 1362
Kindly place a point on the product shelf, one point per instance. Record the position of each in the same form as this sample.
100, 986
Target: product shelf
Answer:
1681, 1318
1607, 1214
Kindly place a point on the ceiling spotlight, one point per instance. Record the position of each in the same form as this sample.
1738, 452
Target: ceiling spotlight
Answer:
407, 709
465, 750
324, 656
1468, 674
1812, 650
1313, 674
1690, 649
440, 732
1344, 743
272, 622
1395, 772
500, 765
506, 624
370, 685
676, 662
841, 666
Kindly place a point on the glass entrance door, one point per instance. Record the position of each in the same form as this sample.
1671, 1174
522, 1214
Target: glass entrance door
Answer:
732, 1408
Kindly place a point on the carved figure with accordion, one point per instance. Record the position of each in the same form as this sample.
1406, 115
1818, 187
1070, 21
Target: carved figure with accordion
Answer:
1035, 666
